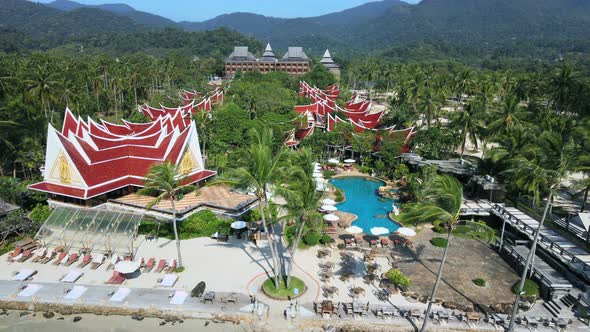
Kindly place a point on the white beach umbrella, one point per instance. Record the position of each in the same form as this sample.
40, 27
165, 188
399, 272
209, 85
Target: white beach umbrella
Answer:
406, 231
333, 161
350, 161
354, 230
238, 224
126, 267
329, 208
379, 231
328, 201
320, 187
331, 217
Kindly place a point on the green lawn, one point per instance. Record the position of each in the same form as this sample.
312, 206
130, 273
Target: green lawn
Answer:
282, 292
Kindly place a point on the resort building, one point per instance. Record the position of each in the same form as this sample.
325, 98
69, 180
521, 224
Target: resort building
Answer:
294, 62
329, 63
90, 164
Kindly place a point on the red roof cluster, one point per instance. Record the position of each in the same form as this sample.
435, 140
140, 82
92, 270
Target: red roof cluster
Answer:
87, 159
324, 113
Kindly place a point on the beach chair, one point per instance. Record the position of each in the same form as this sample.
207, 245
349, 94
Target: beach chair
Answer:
119, 279
358, 240
161, 265
72, 259
97, 261
349, 242
17, 251
85, 260
150, 265
26, 255
60, 258
172, 267
39, 255
114, 260
48, 257
385, 243
372, 242
113, 278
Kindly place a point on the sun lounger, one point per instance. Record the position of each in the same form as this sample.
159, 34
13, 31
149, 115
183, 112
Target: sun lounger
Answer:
29, 290
114, 260
85, 260
384, 243
161, 265
172, 267
16, 253
26, 255
116, 279
24, 274
120, 295
75, 293
169, 280
60, 258
372, 242
150, 265
179, 297
97, 261
72, 259
48, 257
39, 254
72, 276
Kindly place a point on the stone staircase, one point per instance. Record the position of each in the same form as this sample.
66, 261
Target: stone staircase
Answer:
556, 308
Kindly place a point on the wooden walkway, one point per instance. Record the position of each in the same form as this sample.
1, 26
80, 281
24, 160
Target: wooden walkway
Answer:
576, 258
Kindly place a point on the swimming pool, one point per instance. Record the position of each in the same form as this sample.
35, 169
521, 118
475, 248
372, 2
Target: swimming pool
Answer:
363, 201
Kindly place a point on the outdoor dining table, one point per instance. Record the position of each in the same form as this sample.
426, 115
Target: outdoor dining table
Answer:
388, 310
357, 307
415, 313
209, 296
531, 321
443, 315
473, 316
327, 307
560, 322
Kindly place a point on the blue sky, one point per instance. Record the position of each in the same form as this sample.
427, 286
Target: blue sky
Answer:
198, 10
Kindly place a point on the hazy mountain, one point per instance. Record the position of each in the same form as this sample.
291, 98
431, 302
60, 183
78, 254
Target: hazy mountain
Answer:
39, 19
139, 17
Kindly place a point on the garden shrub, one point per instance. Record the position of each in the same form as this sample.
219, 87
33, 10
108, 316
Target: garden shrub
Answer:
439, 242
202, 224
398, 278
325, 239
479, 282
312, 238
531, 288
329, 174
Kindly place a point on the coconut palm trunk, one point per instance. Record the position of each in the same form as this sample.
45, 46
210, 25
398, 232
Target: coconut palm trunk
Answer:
529, 259
294, 250
276, 263
436, 283
176, 232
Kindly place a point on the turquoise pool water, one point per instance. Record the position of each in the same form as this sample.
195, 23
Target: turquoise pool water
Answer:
362, 199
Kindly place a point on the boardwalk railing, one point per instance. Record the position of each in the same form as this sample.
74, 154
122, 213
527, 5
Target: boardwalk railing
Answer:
543, 241
564, 223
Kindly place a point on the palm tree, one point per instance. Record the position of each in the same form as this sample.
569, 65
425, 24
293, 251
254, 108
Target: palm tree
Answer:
541, 167
166, 181
509, 116
43, 85
469, 123
262, 170
441, 201
302, 200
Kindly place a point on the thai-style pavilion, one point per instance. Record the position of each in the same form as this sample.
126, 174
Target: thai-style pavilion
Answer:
329, 63
294, 61
88, 162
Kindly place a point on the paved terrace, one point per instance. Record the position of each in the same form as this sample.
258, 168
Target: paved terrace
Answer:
218, 198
